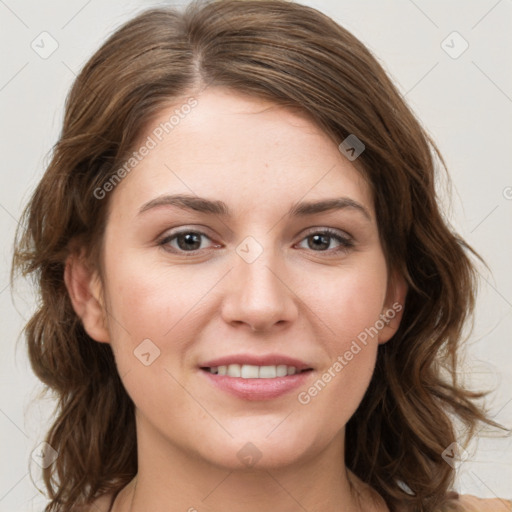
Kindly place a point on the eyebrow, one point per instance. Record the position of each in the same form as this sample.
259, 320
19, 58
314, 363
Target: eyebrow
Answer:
216, 207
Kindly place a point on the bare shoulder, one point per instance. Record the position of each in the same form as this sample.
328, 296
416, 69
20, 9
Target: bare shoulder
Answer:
101, 504
474, 504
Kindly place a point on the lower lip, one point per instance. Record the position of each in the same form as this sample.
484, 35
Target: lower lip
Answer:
258, 389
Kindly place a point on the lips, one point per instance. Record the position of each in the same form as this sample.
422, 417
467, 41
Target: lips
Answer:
256, 377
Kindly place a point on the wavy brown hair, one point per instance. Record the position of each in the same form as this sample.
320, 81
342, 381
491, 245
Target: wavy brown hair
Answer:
297, 57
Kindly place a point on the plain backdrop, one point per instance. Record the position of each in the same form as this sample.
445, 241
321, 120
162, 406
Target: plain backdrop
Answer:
449, 60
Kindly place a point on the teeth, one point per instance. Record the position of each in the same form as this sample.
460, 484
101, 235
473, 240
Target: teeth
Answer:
249, 371
233, 370
282, 370
266, 372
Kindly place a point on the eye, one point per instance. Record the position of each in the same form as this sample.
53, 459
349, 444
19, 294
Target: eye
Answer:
183, 241
190, 241
319, 241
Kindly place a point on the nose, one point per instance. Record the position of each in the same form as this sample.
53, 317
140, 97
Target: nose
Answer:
258, 295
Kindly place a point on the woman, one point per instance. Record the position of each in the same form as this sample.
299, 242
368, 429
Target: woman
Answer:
250, 299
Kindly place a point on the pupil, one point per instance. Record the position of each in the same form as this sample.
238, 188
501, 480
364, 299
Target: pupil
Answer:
189, 238
321, 238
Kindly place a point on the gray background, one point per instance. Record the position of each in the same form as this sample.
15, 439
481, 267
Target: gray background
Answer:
464, 101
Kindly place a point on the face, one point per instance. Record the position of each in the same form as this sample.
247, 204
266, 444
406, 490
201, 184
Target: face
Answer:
255, 318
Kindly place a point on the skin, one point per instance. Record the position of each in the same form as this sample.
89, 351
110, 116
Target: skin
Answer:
295, 299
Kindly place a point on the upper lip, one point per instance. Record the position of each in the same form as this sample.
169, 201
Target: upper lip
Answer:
264, 360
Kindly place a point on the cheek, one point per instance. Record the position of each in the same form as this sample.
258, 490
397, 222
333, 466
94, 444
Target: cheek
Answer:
149, 299
351, 300
338, 390
339, 386
349, 307
156, 313
148, 305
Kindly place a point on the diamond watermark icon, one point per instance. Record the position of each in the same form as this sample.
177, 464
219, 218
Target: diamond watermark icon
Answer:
351, 147
44, 45
454, 455
454, 45
249, 249
44, 455
146, 352
249, 454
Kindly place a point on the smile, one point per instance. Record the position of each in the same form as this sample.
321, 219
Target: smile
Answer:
251, 377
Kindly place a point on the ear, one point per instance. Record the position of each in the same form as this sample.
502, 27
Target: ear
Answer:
86, 293
393, 307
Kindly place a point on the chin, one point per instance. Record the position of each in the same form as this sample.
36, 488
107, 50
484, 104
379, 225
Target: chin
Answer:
261, 450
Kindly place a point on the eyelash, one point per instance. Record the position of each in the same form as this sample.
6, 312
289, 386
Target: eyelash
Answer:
346, 243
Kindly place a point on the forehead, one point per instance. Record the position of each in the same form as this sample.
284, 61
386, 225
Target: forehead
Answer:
250, 153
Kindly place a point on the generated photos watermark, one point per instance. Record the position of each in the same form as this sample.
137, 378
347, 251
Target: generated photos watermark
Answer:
151, 142
305, 397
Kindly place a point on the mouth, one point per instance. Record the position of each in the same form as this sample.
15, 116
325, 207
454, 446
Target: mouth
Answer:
250, 371
256, 378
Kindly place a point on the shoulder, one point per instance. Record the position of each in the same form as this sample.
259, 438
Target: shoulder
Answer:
101, 504
473, 504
